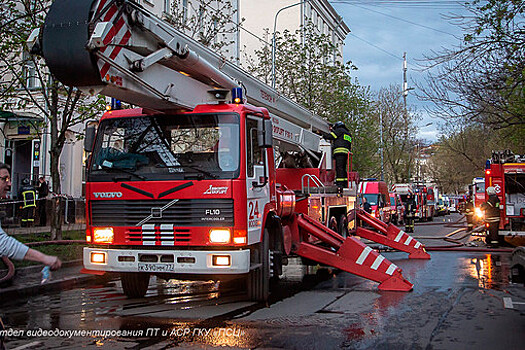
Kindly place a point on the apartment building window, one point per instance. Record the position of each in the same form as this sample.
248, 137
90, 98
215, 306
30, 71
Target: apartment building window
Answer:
185, 9
29, 72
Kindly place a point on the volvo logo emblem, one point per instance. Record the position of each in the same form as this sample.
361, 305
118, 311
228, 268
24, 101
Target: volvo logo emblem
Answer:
107, 194
156, 212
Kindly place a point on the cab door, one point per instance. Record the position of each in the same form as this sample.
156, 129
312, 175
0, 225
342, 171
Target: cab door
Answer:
257, 184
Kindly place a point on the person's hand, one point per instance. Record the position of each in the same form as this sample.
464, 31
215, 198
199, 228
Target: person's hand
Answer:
53, 262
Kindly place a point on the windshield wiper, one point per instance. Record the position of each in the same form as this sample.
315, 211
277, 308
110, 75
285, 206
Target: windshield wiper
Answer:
202, 171
122, 170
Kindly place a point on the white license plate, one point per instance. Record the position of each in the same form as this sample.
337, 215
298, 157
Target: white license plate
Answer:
156, 267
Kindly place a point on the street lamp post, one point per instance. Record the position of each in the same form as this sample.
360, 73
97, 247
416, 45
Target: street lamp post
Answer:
273, 38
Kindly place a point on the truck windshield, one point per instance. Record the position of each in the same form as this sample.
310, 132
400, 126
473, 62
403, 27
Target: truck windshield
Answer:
480, 187
167, 147
372, 198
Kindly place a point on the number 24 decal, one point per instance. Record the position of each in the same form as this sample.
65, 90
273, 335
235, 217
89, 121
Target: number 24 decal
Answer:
253, 208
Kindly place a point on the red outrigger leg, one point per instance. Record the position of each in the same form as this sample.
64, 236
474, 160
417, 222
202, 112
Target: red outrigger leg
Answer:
390, 236
347, 254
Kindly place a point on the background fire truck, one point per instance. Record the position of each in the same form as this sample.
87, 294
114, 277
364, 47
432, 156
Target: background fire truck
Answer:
505, 172
476, 191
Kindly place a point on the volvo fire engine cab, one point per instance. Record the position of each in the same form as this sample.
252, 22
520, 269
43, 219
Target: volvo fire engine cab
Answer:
216, 175
505, 172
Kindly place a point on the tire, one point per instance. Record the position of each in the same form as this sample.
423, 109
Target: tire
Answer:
333, 224
258, 281
134, 284
343, 226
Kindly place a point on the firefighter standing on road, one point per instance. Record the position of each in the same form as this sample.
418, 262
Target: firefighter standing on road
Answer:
492, 216
410, 209
27, 194
469, 214
342, 139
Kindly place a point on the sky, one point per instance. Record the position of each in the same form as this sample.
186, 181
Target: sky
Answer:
382, 30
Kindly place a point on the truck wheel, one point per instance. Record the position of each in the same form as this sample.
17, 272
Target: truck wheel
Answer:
134, 284
333, 224
258, 281
343, 226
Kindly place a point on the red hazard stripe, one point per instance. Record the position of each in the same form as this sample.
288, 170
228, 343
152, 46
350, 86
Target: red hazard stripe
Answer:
113, 31
101, 5
111, 12
115, 52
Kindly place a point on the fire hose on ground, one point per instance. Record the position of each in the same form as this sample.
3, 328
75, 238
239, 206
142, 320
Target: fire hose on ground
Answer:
460, 246
11, 267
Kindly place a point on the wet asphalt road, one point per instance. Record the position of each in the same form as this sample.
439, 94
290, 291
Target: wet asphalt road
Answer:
457, 303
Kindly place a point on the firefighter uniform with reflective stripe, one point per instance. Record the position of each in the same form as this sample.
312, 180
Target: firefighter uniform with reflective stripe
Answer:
27, 194
469, 215
492, 218
410, 210
342, 144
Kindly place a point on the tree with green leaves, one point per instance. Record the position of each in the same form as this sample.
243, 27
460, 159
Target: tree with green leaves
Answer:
210, 23
399, 130
27, 85
460, 154
310, 71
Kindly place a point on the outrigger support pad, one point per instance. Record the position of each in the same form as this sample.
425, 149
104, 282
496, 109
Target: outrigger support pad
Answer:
390, 236
321, 244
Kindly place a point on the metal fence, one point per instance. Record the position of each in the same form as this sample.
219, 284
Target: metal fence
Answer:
73, 210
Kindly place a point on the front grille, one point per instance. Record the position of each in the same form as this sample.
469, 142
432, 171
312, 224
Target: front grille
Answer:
184, 212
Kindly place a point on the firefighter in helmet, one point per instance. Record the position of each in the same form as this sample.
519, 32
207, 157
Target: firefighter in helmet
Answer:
469, 213
342, 145
492, 216
410, 210
27, 194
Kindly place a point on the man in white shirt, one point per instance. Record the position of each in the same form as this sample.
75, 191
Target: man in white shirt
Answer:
12, 248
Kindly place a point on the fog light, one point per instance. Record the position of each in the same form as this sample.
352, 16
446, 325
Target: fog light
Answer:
220, 236
103, 235
221, 260
239, 240
98, 257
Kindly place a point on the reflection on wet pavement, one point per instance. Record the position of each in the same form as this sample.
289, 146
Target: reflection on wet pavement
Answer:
333, 309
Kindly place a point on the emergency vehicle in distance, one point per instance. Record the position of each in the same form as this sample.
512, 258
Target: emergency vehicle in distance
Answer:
190, 185
476, 191
376, 193
505, 172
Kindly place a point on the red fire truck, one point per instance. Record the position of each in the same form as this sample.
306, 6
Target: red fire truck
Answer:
477, 193
505, 172
191, 185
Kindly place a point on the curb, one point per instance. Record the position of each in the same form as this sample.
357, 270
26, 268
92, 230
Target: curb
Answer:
64, 283
77, 279
37, 268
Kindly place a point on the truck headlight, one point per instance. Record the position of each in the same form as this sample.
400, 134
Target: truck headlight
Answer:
220, 236
103, 235
478, 212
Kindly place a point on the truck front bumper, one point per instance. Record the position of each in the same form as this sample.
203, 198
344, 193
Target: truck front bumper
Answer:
168, 261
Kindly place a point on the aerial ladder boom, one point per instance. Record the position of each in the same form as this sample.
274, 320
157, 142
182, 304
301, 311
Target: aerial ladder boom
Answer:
119, 49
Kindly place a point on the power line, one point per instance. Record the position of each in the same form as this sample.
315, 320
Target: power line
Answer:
377, 47
351, 3
427, 4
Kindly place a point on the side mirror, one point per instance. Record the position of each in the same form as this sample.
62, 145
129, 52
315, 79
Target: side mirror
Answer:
265, 133
89, 139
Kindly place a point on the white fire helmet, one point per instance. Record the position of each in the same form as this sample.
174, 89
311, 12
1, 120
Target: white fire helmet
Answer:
491, 190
